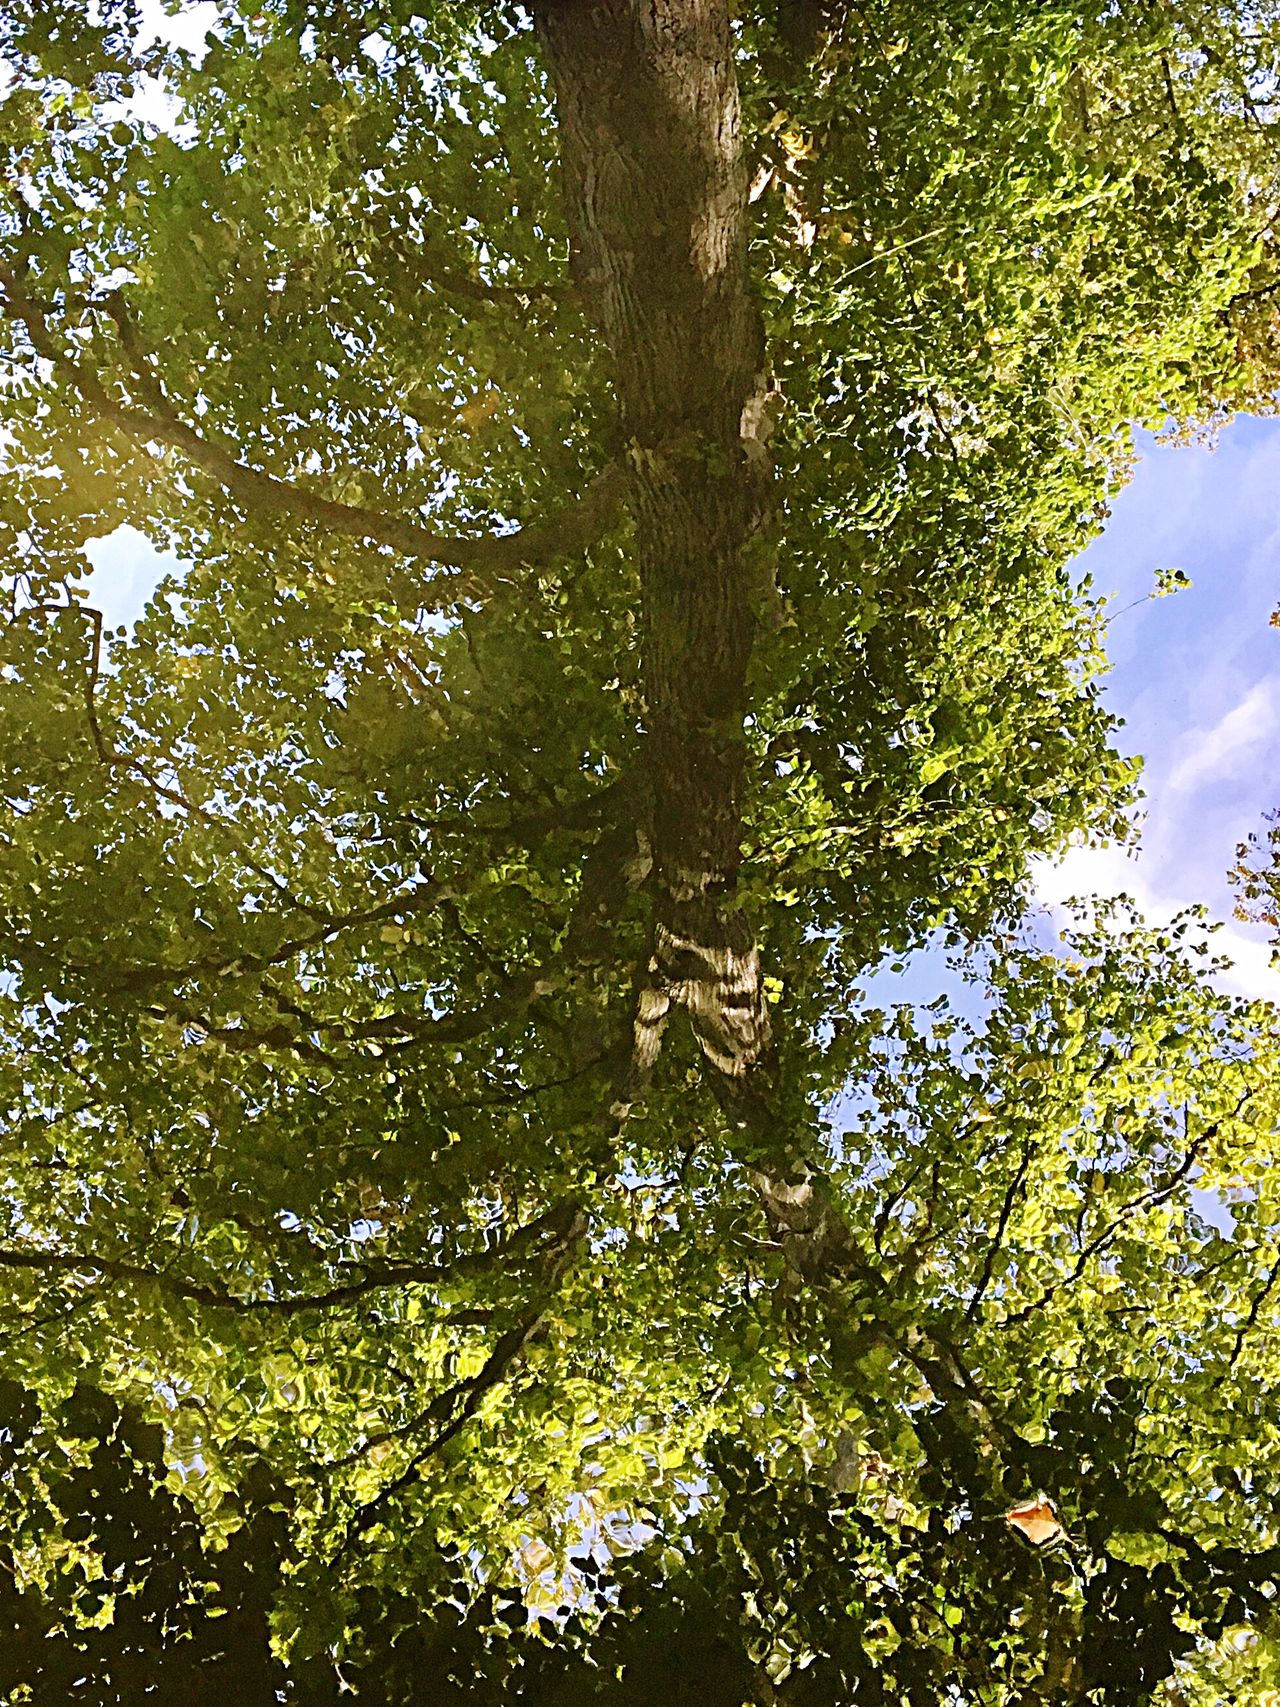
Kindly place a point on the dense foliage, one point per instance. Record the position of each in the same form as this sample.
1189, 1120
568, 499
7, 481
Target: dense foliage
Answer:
453, 1165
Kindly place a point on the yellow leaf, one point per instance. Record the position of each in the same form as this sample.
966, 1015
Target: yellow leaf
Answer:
483, 408
797, 145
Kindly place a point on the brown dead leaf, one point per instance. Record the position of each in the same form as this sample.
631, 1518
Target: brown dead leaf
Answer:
1037, 1521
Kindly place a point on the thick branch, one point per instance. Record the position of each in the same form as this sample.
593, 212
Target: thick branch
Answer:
1251, 1320
464, 1400
415, 264
520, 1245
140, 978
484, 562
75, 1262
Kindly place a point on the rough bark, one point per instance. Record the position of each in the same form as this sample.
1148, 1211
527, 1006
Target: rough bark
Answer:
656, 195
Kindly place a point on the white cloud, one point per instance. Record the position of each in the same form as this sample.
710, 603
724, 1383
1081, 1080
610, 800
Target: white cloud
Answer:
1223, 751
1110, 871
1085, 871
127, 569
186, 28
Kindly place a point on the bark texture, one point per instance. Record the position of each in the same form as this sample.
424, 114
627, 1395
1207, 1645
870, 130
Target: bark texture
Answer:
655, 190
656, 195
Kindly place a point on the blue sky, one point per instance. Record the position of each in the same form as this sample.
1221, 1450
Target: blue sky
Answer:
1195, 676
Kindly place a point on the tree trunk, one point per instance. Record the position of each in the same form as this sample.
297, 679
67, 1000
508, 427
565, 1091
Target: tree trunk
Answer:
656, 196
655, 189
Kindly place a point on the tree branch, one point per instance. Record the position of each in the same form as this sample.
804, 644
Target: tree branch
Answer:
413, 262
1251, 1320
466, 1397
1256, 294
408, 903
997, 1240
377, 1278
1148, 1199
482, 563
390, 1034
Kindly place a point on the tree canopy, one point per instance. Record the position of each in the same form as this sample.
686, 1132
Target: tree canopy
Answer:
474, 1228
